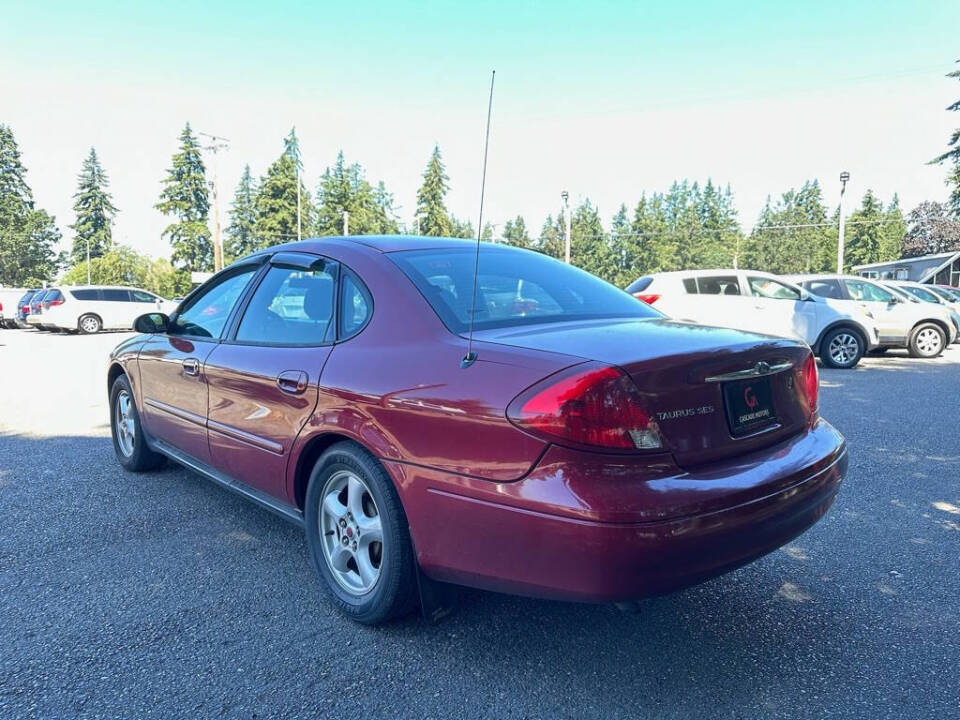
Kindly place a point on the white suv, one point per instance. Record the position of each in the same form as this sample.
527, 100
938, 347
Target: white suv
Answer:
92, 308
763, 303
924, 329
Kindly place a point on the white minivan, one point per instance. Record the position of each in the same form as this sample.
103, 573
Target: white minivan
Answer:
92, 308
763, 303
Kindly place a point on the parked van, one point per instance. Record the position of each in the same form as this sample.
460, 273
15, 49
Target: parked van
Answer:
761, 302
92, 308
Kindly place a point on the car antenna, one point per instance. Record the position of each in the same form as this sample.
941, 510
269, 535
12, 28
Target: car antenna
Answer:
468, 359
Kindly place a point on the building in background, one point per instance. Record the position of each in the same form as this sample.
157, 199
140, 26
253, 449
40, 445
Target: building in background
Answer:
939, 269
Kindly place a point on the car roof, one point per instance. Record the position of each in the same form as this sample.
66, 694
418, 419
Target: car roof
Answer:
381, 243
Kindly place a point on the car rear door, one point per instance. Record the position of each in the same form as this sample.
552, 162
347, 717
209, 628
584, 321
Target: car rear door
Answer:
173, 383
780, 309
263, 378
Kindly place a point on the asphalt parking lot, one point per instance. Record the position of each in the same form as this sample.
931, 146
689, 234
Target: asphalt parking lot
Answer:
163, 596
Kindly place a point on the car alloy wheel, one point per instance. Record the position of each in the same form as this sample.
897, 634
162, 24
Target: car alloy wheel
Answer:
125, 426
351, 533
929, 342
89, 324
844, 348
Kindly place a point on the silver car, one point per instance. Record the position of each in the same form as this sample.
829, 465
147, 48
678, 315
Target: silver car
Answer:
921, 328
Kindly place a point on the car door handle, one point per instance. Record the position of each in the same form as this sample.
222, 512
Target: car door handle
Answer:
191, 366
293, 382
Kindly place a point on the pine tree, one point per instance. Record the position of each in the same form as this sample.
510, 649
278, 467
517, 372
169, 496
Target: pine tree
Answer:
550, 240
28, 236
588, 245
892, 230
461, 228
185, 198
863, 239
276, 199
241, 238
655, 246
344, 188
515, 233
486, 235
953, 155
793, 235
94, 211
621, 248
432, 216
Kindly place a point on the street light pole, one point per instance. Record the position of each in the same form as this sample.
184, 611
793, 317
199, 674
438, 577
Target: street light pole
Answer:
88, 259
844, 177
215, 145
566, 223
346, 222
299, 233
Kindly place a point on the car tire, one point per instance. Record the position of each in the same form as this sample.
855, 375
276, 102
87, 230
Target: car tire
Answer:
129, 442
927, 341
89, 324
369, 583
842, 348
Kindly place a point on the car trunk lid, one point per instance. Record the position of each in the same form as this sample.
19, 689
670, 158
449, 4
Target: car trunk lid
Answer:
713, 392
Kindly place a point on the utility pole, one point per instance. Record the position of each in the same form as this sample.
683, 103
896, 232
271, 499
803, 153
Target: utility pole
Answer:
88, 259
844, 177
346, 222
215, 144
566, 222
299, 232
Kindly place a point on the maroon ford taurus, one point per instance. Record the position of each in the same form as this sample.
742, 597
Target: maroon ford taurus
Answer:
592, 451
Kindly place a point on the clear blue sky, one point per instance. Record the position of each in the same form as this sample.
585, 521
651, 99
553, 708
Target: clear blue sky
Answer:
607, 99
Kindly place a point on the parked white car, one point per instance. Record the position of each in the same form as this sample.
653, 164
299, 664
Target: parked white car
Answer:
924, 329
764, 303
92, 308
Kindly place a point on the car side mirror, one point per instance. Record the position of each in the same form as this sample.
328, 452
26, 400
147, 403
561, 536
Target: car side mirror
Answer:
151, 323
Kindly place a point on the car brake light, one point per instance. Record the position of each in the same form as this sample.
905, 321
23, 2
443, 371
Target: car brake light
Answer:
58, 301
595, 405
648, 298
808, 382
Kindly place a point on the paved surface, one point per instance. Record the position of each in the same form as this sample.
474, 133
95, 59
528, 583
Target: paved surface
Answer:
162, 596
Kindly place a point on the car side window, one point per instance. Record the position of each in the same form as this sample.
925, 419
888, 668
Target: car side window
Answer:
86, 294
355, 305
768, 288
825, 288
115, 295
690, 285
207, 313
141, 296
718, 285
291, 306
867, 292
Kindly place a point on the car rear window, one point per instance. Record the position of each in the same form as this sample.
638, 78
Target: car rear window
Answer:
53, 295
514, 287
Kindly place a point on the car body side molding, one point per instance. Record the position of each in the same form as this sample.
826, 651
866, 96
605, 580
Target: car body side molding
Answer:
287, 512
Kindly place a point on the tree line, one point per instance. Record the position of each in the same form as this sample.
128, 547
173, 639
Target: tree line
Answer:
691, 225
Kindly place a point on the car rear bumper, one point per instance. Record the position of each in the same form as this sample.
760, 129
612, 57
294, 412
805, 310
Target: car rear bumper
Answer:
600, 535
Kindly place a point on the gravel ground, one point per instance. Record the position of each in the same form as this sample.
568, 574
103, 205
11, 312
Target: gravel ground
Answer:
163, 596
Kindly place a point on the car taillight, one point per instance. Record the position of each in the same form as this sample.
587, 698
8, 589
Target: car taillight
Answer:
58, 301
592, 404
808, 384
648, 298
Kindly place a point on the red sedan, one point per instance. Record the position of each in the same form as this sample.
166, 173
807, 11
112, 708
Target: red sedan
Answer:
593, 451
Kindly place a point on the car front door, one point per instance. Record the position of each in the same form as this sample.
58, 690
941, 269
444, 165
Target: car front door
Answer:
173, 384
263, 378
889, 314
